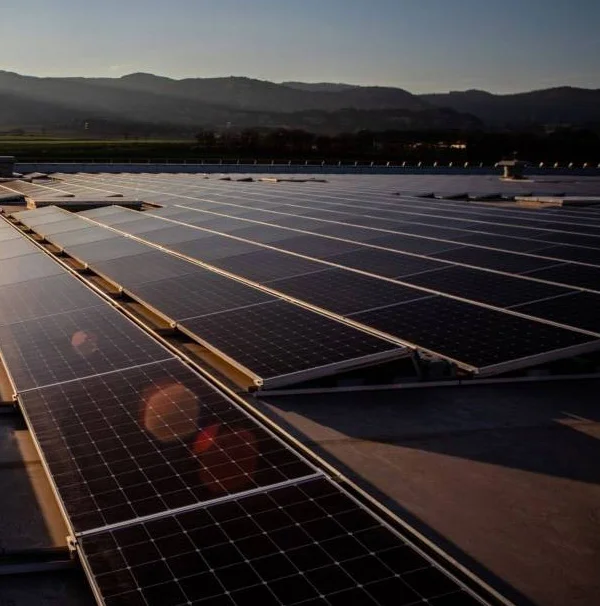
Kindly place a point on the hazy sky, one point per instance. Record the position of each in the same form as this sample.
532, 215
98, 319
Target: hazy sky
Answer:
420, 45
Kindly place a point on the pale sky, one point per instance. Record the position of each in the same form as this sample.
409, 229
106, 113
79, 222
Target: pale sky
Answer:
419, 45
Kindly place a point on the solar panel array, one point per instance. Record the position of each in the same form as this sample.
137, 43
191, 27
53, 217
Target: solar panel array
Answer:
172, 493
398, 265
286, 343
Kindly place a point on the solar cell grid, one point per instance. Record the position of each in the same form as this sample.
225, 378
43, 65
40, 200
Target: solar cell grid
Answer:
279, 339
72, 345
385, 263
307, 543
316, 246
581, 276
149, 439
83, 236
264, 265
63, 226
572, 253
473, 335
494, 259
134, 270
485, 287
213, 247
43, 297
503, 242
16, 248
578, 309
345, 292
27, 267
107, 250
201, 294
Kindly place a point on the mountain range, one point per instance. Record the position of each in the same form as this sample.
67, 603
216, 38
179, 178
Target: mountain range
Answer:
148, 104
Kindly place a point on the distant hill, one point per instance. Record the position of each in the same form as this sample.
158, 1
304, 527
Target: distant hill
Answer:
323, 87
148, 104
564, 105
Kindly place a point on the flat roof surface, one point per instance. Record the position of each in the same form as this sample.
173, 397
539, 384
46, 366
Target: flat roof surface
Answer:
505, 477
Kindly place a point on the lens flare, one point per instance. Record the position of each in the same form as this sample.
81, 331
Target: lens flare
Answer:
84, 343
169, 412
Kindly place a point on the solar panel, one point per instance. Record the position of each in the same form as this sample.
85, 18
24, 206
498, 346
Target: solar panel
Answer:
83, 236
149, 439
575, 239
307, 543
168, 234
16, 248
476, 336
339, 230
579, 309
201, 294
385, 263
266, 265
316, 246
215, 247
504, 243
73, 345
151, 266
345, 292
572, 253
486, 287
62, 226
106, 250
494, 259
8, 233
413, 244
27, 267
581, 276
279, 341
43, 297
262, 233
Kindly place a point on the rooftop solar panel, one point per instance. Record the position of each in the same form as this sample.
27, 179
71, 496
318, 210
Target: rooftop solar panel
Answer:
73, 345
83, 236
385, 263
503, 242
215, 247
264, 265
582, 276
345, 292
43, 297
280, 342
27, 267
107, 250
134, 270
572, 253
302, 544
16, 248
149, 439
486, 287
494, 259
198, 295
411, 244
8, 233
579, 309
316, 246
479, 337
63, 226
